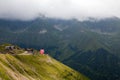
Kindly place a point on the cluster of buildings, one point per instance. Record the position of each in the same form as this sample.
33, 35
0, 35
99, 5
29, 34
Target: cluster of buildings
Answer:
29, 50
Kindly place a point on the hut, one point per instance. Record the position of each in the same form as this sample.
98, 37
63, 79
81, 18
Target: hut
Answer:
9, 47
30, 50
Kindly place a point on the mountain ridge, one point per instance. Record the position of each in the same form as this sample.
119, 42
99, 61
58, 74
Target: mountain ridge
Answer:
18, 66
78, 39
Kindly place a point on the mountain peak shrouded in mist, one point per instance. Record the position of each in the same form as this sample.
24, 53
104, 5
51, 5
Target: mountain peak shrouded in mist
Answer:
64, 9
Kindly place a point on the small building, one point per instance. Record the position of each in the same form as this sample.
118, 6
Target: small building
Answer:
30, 50
9, 47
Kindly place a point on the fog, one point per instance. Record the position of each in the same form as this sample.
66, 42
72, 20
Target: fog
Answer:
64, 9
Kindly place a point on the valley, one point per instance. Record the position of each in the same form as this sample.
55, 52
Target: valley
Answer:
90, 47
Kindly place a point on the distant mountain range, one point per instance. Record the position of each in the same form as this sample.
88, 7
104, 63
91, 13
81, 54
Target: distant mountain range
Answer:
91, 47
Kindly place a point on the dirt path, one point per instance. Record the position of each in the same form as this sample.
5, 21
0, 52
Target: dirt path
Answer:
49, 60
25, 53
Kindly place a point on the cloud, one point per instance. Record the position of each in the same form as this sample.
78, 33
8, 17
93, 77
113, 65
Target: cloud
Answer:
64, 9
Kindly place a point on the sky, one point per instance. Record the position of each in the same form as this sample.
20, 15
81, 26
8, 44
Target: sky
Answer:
63, 9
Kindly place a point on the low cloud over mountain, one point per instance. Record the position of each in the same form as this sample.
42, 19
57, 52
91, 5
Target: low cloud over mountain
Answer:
64, 9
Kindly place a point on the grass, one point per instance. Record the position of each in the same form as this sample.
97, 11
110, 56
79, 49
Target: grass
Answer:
34, 67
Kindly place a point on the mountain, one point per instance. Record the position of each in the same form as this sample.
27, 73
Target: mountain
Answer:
19, 66
91, 47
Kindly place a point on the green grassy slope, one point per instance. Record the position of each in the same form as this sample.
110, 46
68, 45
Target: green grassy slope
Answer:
35, 67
